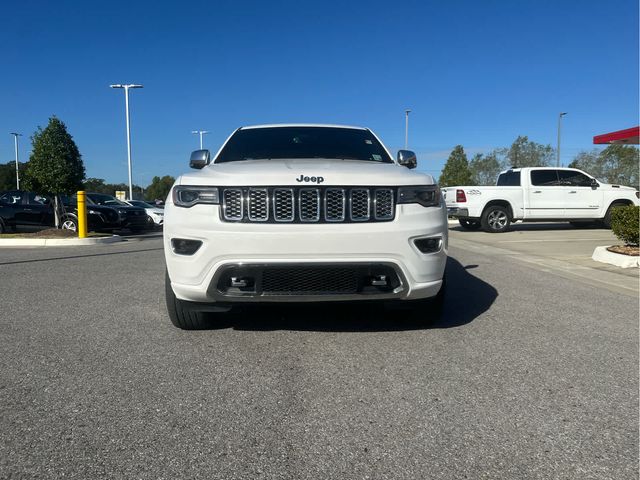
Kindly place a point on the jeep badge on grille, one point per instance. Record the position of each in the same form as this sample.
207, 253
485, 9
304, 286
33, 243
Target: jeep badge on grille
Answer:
317, 180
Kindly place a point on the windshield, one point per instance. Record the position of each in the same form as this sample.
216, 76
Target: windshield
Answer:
138, 203
303, 142
101, 199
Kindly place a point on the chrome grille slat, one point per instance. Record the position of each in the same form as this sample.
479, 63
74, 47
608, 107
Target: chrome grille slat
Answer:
283, 205
383, 204
360, 204
232, 204
307, 204
258, 205
335, 202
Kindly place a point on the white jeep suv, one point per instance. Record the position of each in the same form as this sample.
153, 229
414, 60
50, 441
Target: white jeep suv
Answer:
302, 213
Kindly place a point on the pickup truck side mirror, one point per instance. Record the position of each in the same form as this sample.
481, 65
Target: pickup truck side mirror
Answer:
407, 158
594, 183
199, 159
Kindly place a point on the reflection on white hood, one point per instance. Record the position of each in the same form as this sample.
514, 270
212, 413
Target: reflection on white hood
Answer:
305, 172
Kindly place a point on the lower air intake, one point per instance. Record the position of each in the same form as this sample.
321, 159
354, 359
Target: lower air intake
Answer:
309, 281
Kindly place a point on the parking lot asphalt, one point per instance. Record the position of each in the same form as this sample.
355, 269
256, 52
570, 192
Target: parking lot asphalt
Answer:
556, 247
531, 373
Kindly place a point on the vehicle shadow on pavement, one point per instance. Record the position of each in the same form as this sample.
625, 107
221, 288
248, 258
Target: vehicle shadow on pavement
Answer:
467, 297
537, 227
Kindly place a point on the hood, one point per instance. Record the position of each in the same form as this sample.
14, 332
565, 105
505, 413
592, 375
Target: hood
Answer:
609, 186
305, 172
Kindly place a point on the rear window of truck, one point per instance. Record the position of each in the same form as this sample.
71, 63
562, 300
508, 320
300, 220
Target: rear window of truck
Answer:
508, 179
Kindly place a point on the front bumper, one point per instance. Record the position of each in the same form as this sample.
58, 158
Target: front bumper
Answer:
225, 245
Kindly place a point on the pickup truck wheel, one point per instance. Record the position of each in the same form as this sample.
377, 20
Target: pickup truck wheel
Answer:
495, 219
3, 228
69, 224
469, 224
182, 314
606, 221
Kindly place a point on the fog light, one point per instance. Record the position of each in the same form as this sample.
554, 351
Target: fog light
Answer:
428, 245
379, 281
240, 282
182, 246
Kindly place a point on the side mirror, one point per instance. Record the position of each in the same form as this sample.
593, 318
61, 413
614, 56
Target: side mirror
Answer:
407, 158
594, 183
199, 159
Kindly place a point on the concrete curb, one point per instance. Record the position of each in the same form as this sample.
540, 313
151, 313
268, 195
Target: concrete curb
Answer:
57, 242
601, 254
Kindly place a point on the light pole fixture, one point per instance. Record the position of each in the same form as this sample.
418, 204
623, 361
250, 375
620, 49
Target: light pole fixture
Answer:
562, 114
126, 104
15, 137
201, 133
406, 129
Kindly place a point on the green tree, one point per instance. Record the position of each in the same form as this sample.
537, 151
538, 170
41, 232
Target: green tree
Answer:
159, 188
621, 164
485, 168
456, 170
590, 162
525, 153
616, 164
8, 175
98, 185
55, 164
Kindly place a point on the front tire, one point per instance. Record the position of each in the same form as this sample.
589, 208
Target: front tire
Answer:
495, 219
606, 221
469, 224
182, 314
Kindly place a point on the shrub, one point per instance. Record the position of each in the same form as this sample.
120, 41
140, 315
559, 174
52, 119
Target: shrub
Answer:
624, 223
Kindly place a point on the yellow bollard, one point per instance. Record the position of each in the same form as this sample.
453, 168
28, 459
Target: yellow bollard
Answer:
82, 216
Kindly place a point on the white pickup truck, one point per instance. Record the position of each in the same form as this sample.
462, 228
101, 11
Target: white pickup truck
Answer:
539, 194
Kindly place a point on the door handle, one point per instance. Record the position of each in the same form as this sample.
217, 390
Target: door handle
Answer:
537, 191
573, 191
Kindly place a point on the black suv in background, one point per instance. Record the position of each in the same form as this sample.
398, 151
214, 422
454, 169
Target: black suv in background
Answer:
21, 210
102, 206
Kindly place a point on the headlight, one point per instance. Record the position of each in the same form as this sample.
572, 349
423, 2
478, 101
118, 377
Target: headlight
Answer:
425, 195
190, 196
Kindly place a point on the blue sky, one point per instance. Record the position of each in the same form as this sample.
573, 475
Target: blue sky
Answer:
476, 73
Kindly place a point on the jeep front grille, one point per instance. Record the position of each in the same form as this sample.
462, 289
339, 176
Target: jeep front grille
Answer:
307, 205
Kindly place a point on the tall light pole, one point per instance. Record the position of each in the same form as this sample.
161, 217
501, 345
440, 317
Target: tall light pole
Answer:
562, 114
126, 104
406, 129
200, 132
15, 137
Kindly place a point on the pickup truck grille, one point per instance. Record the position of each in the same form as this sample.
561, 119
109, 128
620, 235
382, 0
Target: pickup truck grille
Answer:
308, 205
